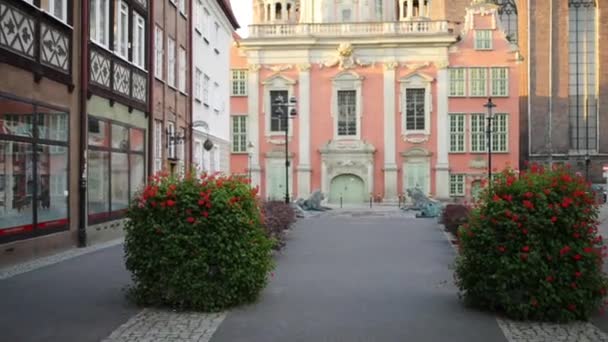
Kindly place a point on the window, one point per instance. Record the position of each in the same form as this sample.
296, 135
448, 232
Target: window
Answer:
500, 81
182, 6
206, 20
121, 29
478, 133
34, 155
57, 8
457, 81
206, 90
457, 132
347, 113
483, 39
239, 134
379, 12
170, 140
171, 62
197, 15
414, 110
159, 51
278, 114
216, 31
139, 40
239, 82
99, 25
478, 81
216, 97
500, 133
456, 185
116, 168
197, 84
507, 11
583, 80
182, 69
346, 15
158, 145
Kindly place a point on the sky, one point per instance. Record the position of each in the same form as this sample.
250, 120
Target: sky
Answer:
243, 10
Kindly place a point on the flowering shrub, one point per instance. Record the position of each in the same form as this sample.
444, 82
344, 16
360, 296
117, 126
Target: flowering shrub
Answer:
197, 243
278, 216
531, 248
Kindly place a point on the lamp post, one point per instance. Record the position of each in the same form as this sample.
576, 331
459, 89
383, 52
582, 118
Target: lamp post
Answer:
489, 105
250, 154
285, 111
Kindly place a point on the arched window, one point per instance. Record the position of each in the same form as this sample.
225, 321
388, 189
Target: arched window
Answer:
582, 37
507, 11
278, 9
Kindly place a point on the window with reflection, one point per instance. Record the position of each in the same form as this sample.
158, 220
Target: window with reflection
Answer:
507, 11
116, 168
33, 169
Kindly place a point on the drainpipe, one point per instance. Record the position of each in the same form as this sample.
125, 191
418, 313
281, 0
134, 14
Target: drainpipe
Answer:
189, 126
550, 125
151, 64
82, 149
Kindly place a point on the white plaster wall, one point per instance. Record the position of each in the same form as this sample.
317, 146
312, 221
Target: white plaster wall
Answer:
217, 67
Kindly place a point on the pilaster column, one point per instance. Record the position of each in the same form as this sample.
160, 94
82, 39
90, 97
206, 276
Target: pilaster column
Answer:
442, 168
410, 9
254, 125
284, 10
390, 141
304, 170
324, 179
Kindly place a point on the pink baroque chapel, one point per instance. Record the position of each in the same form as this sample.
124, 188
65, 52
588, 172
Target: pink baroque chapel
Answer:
390, 96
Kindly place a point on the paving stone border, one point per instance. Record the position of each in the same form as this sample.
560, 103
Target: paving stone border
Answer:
154, 325
21, 268
516, 331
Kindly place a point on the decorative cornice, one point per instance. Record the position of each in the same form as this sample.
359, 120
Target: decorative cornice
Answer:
416, 66
391, 65
442, 64
304, 67
278, 68
254, 67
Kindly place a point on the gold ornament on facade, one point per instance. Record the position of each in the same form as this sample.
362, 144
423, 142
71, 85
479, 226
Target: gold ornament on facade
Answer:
254, 67
345, 58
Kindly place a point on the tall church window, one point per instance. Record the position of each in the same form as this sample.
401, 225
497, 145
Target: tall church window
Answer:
507, 11
583, 76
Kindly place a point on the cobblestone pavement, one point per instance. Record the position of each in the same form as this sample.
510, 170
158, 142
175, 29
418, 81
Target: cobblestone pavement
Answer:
159, 325
547, 332
21, 268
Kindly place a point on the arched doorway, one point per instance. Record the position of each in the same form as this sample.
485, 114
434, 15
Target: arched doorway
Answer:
348, 186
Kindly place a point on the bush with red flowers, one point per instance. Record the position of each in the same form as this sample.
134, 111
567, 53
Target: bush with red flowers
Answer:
278, 217
531, 250
197, 243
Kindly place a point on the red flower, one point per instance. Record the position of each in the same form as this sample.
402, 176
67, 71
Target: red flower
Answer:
553, 219
507, 213
495, 198
508, 198
153, 204
205, 214
578, 274
525, 249
528, 194
564, 250
514, 217
566, 202
588, 250
577, 257
549, 279
163, 204
502, 249
576, 235
170, 203
524, 231
201, 202
190, 219
547, 191
528, 204
571, 307
573, 285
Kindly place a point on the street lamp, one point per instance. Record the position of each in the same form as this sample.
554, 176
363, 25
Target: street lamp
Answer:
490, 116
285, 111
250, 147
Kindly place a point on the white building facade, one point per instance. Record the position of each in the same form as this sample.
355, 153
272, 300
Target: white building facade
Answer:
213, 25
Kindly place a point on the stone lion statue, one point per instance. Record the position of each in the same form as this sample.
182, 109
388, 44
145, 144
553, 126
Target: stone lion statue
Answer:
313, 202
